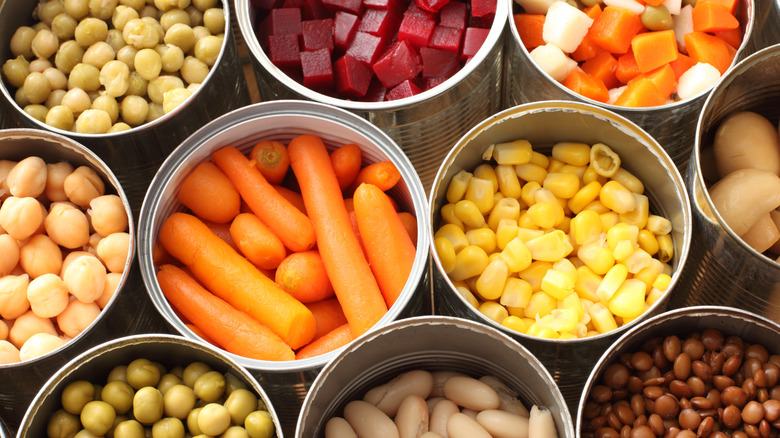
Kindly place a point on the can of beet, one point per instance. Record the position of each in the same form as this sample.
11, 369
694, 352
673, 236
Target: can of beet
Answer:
425, 125
567, 358
725, 269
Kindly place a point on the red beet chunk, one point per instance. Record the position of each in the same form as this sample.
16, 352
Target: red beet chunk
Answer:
413, 9
317, 69
266, 5
313, 10
284, 21
441, 63
402, 90
432, 81
351, 6
431, 5
472, 41
446, 38
482, 8
284, 50
366, 47
379, 22
352, 77
344, 28
384, 4
399, 63
376, 92
453, 14
317, 34
416, 29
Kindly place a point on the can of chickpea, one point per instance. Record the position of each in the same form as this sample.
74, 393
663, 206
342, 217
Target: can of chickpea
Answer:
75, 69
526, 274
728, 267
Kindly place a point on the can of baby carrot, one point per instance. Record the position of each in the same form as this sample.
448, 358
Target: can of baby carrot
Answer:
671, 121
724, 268
285, 381
440, 345
528, 310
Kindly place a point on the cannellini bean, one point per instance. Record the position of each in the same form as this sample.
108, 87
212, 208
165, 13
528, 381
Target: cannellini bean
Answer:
412, 417
388, 397
82, 186
27, 178
77, 317
8, 353
108, 214
368, 421
27, 325
541, 423
470, 393
763, 234
47, 295
440, 415
21, 217
503, 424
55, 180
40, 255
5, 168
470, 412
3, 330
9, 254
112, 283
462, 426
40, 344
13, 295
746, 140
775, 215
508, 400
85, 278
743, 196
338, 427
439, 377
431, 402
430, 434
114, 250
67, 225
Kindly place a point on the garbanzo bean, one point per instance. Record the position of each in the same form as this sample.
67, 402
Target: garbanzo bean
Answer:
115, 39
40, 255
113, 251
61, 117
84, 277
36, 87
39, 65
16, 70
108, 104
134, 110
67, 225
21, 41
83, 185
44, 44
98, 54
47, 295
64, 26
90, 30
174, 98
102, 9
55, 178
202, 5
13, 296
167, 5
122, 14
55, 98
171, 57
173, 16
193, 70
37, 111
214, 20
50, 9
119, 127
140, 34
84, 76
9, 254
160, 85
77, 100
182, 35
21, 217
57, 79
68, 56
93, 121
77, 8
207, 49
27, 178
148, 63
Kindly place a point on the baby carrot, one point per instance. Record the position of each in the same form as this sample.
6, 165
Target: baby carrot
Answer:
271, 159
410, 223
328, 314
210, 194
231, 329
347, 268
346, 161
353, 222
228, 275
302, 275
201, 334
336, 338
294, 197
390, 249
382, 174
256, 241
291, 226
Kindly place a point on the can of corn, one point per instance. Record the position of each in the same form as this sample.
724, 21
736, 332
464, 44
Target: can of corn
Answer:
543, 124
431, 343
724, 269
285, 381
424, 125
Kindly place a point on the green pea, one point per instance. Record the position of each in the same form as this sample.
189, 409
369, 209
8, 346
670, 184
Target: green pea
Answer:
656, 17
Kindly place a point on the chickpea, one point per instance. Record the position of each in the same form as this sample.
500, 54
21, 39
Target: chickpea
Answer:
21, 217
155, 112
193, 70
181, 35
21, 41
214, 20
54, 99
108, 104
200, 32
171, 57
62, 424
76, 317
68, 56
98, 54
55, 178
47, 295
122, 14
37, 111
203, 5
44, 44
115, 39
90, 30
135, 4
73, 255
3, 330
39, 65
113, 251
134, 110
149, 11
8, 353
40, 26
57, 79
148, 63
174, 98
16, 70
213, 419
40, 255
77, 100
108, 214
13, 296
167, 5
9, 254
259, 424
119, 127
77, 9
193, 371
67, 225
147, 405
93, 121
48, 10
40, 344
20, 98
27, 178
64, 26
127, 56
85, 278
84, 76
207, 49
140, 34
36, 87
102, 9
196, 15
5, 169
162, 84
27, 325
129, 429
109, 290
173, 16
83, 185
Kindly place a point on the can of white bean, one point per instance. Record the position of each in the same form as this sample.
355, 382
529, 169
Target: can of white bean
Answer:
725, 269
543, 125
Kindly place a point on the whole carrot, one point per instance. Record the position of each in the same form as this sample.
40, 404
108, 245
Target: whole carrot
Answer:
287, 222
228, 275
271, 159
256, 241
210, 194
292, 196
231, 329
389, 248
347, 268
346, 161
382, 174
302, 275
328, 314
410, 222
336, 338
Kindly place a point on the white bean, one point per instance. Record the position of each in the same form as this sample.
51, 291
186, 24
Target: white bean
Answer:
462, 426
470, 393
439, 377
508, 398
763, 234
541, 423
503, 424
412, 417
338, 427
368, 421
430, 434
431, 402
440, 415
746, 140
388, 397
743, 196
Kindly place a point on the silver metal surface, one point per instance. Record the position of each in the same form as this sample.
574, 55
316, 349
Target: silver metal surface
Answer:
286, 382
95, 364
723, 270
425, 125
431, 343
767, 27
543, 124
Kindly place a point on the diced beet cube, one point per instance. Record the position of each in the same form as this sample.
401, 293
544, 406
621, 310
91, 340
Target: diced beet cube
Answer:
266, 5
481, 8
413, 9
284, 21
376, 91
399, 63
317, 34
352, 77
379, 22
366, 47
317, 69
436, 62
314, 10
446, 38
472, 41
351, 6
484, 22
432, 81
384, 4
416, 29
453, 14
402, 90
292, 3
284, 51
431, 5
344, 28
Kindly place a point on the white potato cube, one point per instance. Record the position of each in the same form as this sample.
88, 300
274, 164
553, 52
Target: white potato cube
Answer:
673, 6
631, 5
551, 59
696, 79
682, 24
536, 6
565, 26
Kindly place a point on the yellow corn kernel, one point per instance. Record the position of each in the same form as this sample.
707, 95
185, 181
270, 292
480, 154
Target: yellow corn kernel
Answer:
622, 250
604, 160
467, 296
616, 275
572, 301
486, 171
487, 154
530, 172
540, 304
514, 323
454, 234
550, 247
650, 272
647, 241
448, 216
492, 256
565, 265
524, 221
629, 300
468, 213
555, 165
483, 237
587, 283
557, 284
528, 192
653, 296
491, 281
662, 282
628, 180
517, 292
559, 320
540, 159
508, 183
513, 152
469, 262
504, 208
497, 197
534, 274
637, 260
637, 216
562, 185
577, 154
598, 207
526, 234
544, 214
667, 269
622, 232
601, 318
616, 197
480, 192
665, 248
516, 255
584, 226
591, 174
578, 171
596, 256
505, 231
544, 195
446, 253
457, 187
584, 196
658, 225
609, 220
494, 311
565, 224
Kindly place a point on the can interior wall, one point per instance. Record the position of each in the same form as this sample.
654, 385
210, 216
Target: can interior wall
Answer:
569, 361
426, 125
723, 270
